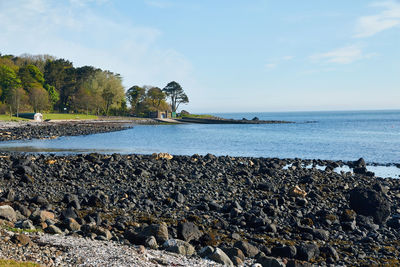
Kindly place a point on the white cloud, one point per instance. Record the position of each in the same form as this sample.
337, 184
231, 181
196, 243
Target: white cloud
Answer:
388, 18
344, 55
75, 32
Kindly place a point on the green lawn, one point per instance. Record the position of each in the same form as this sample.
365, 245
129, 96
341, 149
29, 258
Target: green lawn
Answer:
52, 116
4, 117
61, 116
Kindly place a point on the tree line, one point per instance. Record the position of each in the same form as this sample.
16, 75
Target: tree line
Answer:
44, 83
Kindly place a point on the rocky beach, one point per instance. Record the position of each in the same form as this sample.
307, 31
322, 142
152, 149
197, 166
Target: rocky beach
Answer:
230, 210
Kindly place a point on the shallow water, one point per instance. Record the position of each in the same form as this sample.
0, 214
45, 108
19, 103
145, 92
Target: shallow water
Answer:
373, 135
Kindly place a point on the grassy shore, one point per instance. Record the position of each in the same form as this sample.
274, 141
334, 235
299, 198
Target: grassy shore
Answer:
52, 116
13, 263
4, 117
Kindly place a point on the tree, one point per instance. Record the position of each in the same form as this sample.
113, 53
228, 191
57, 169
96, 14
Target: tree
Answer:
8, 81
30, 77
176, 94
39, 99
135, 95
54, 96
17, 99
156, 97
113, 91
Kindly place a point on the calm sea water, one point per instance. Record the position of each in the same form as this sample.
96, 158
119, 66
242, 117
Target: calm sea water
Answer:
373, 135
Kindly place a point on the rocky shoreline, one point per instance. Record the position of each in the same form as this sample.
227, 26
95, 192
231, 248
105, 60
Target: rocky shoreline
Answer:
54, 129
231, 210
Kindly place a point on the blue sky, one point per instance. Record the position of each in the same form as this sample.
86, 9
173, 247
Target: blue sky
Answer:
229, 56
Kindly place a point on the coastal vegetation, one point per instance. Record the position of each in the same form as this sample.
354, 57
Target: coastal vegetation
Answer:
43, 83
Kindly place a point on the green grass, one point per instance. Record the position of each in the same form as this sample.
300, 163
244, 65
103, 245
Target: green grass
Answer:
202, 116
18, 230
61, 116
13, 263
4, 117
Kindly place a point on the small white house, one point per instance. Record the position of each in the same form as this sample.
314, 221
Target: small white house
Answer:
38, 117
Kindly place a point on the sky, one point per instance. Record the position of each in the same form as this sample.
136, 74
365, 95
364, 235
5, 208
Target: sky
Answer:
228, 55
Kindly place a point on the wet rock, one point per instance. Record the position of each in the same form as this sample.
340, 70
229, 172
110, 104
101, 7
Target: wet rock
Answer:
369, 202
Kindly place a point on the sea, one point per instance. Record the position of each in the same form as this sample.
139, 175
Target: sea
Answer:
327, 135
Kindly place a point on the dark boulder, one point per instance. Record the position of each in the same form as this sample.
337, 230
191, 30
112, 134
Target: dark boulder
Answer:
188, 231
369, 202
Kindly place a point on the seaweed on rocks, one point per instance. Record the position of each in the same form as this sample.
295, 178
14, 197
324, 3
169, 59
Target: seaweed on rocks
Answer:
242, 206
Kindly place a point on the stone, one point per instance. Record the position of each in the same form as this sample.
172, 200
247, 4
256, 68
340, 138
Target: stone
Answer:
162, 156
8, 213
206, 251
188, 231
21, 239
219, 256
307, 251
297, 263
25, 224
39, 216
179, 246
52, 229
151, 242
234, 252
159, 231
71, 224
296, 191
40, 200
248, 249
266, 261
369, 202
320, 234
284, 251
329, 252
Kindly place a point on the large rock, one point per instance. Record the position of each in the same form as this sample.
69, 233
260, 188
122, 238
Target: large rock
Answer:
159, 231
179, 246
284, 251
8, 213
269, 262
39, 216
188, 231
248, 249
306, 252
219, 256
369, 202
